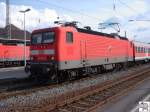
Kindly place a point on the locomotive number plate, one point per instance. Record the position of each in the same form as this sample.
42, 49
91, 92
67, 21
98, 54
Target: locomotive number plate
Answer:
41, 58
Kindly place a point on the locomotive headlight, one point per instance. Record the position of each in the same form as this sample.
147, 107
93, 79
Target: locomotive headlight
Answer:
52, 58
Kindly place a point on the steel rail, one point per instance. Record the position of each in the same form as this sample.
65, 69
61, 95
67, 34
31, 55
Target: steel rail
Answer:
63, 102
60, 101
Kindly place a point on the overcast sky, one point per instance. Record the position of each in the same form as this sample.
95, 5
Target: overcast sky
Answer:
89, 12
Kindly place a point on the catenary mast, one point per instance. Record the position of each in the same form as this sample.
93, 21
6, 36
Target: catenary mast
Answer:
8, 24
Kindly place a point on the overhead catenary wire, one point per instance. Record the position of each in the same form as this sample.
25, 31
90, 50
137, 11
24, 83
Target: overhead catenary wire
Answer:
126, 5
69, 10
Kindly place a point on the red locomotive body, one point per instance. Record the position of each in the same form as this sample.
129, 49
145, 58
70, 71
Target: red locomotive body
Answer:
12, 52
67, 51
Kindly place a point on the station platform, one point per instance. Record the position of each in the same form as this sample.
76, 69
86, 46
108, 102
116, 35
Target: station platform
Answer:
143, 106
12, 73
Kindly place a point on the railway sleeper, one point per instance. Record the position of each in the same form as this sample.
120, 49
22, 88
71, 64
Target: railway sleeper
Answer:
80, 103
83, 103
95, 97
101, 97
80, 107
72, 109
62, 110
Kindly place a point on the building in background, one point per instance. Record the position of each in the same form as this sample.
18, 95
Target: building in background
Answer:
16, 33
10, 31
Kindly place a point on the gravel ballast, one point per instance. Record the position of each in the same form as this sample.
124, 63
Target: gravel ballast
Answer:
34, 100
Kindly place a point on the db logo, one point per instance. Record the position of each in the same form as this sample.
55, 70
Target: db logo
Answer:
144, 106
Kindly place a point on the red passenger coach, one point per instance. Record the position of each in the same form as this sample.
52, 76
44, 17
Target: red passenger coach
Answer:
66, 52
142, 51
12, 52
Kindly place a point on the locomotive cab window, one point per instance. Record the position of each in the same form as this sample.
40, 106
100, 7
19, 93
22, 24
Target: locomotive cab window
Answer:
36, 38
43, 38
48, 37
69, 37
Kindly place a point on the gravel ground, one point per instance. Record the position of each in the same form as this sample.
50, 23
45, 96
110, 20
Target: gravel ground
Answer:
35, 99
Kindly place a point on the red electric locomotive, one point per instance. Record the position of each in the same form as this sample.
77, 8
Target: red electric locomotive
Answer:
12, 52
67, 52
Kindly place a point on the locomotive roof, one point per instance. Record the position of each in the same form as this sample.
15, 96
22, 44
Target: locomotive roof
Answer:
84, 31
99, 33
13, 41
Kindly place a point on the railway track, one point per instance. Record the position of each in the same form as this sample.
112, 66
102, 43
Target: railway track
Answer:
9, 88
91, 98
58, 101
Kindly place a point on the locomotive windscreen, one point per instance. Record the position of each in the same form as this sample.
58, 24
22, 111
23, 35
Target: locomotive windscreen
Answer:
43, 38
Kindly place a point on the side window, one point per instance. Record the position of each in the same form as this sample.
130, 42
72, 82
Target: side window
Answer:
142, 49
138, 49
69, 37
145, 50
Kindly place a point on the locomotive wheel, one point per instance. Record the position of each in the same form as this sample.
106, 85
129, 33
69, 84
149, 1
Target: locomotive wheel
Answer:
53, 77
61, 77
27, 69
72, 75
57, 77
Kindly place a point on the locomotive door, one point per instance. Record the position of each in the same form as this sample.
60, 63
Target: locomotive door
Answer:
83, 51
